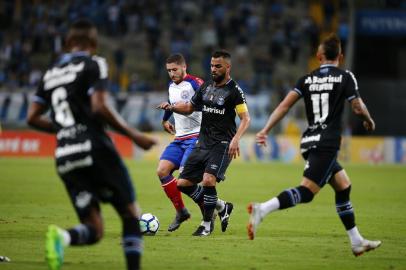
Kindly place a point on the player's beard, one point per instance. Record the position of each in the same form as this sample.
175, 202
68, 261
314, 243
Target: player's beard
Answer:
178, 79
218, 77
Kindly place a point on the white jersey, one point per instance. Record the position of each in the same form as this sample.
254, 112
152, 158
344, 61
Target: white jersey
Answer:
186, 126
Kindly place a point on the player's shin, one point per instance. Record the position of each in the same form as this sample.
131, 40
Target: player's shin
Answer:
169, 185
346, 214
132, 242
210, 201
293, 196
195, 192
82, 234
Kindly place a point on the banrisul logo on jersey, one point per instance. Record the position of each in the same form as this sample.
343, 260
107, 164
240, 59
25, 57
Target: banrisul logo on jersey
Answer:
213, 110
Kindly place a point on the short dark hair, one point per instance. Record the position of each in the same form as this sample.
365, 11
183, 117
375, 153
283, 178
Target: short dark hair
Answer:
221, 53
332, 46
176, 58
82, 33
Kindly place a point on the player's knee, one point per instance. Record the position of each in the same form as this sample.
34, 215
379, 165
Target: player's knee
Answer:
209, 180
162, 172
306, 194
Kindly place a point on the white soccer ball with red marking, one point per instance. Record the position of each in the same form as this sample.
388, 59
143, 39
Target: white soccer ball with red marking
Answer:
149, 224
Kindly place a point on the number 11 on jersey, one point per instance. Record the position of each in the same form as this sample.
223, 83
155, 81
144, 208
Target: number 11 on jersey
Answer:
320, 115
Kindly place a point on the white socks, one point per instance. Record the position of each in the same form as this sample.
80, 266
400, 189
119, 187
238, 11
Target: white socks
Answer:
65, 237
355, 236
206, 225
220, 205
269, 206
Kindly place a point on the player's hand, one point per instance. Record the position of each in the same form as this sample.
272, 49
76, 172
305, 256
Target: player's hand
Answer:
233, 149
146, 142
168, 127
143, 141
261, 138
369, 125
164, 106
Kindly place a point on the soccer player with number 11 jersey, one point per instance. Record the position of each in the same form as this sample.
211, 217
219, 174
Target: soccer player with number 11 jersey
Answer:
324, 92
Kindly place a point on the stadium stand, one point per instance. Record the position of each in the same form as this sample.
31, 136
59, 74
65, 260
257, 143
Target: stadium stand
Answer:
272, 43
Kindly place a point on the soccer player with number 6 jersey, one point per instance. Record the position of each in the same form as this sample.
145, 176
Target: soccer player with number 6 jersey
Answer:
74, 88
324, 92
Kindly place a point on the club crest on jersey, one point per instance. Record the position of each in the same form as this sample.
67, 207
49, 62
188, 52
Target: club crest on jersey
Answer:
220, 101
185, 95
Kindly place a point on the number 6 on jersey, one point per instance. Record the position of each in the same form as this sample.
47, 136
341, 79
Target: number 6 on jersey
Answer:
63, 113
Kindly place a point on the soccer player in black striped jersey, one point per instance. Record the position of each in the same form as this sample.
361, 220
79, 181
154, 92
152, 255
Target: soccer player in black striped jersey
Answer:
74, 89
220, 101
324, 92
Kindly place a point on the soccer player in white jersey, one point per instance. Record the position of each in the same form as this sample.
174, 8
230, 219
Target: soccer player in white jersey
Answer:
186, 131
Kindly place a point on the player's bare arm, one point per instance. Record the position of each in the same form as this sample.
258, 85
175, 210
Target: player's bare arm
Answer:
280, 112
360, 109
184, 108
36, 119
234, 147
101, 108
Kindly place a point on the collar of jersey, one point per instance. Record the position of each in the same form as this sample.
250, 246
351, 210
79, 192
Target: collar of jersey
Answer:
67, 56
78, 53
328, 65
225, 83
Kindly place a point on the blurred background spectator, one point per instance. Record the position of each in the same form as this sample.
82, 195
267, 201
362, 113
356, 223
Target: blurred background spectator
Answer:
137, 36
272, 42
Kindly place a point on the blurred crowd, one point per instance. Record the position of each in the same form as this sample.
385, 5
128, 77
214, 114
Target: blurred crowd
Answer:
263, 36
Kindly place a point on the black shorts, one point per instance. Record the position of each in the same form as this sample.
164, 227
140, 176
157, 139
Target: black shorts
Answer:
105, 180
321, 165
214, 161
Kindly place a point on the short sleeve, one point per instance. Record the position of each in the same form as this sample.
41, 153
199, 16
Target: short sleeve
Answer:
98, 70
197, 99
299, 87
351, 89
40, 95
240, 102
196, 82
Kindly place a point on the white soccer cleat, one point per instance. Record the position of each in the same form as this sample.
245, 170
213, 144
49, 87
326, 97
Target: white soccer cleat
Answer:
255, 219
365, 246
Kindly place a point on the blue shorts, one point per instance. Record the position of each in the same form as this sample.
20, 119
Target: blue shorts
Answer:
178, 151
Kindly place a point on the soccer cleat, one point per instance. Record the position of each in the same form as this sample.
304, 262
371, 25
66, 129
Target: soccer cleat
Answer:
180, 217
54, 248
365, 246
255, 219
201, 231
225, 215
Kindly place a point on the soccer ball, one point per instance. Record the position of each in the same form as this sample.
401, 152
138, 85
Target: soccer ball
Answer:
149, 224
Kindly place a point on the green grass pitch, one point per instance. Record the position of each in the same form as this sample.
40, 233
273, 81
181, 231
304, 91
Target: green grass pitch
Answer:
306, 237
